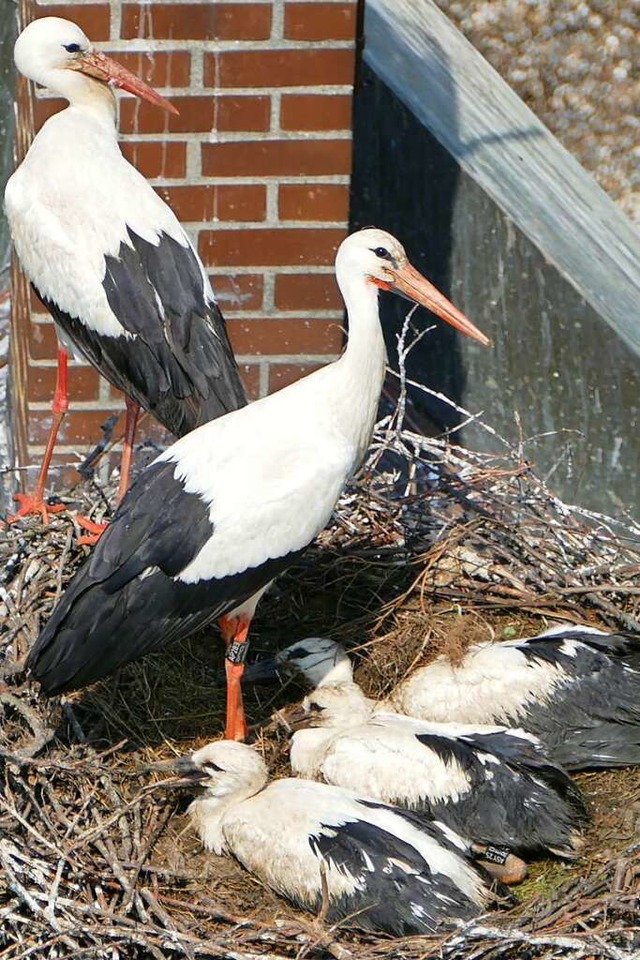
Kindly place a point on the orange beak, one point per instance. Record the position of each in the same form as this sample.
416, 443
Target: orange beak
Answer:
407, 281
97, 65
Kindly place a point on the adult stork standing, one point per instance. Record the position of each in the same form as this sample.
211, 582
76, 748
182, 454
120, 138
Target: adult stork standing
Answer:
107, 256
215, 517
329, 850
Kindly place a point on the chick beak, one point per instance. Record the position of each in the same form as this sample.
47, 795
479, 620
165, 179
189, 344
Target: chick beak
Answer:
182, 771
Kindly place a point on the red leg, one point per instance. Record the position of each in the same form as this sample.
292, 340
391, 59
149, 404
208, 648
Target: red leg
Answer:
133, 409
95, 530
235, 631
34, 502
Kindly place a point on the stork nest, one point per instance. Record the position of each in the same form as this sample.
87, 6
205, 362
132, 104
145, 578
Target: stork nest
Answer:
431, 548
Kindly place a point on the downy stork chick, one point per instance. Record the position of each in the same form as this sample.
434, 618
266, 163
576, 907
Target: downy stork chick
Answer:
491, 784
107, 256
216, 516
384, 870
575, 688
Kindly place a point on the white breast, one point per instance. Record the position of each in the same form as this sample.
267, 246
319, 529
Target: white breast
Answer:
69, 204
271, 474
269, 834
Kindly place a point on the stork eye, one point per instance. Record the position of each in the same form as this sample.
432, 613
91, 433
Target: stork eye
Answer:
72, 47
298, 653
213, 767
383, 253
315, 708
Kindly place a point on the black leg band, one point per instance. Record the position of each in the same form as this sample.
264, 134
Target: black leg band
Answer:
237, 651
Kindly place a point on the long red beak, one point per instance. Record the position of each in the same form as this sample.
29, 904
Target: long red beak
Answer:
103, 68
406, 280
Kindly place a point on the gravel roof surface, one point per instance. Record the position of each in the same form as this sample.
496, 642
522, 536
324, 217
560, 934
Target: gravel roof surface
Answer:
576, 64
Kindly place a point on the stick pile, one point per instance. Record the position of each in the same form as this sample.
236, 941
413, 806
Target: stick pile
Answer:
95, 860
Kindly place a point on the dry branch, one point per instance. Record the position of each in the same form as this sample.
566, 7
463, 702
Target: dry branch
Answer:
430, 547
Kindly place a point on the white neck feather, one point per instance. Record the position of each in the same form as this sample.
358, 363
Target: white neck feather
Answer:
83, 93
208, 811
323, 675
362, 365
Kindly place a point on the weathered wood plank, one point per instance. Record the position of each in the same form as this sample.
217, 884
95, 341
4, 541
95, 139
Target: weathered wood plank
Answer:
502, 145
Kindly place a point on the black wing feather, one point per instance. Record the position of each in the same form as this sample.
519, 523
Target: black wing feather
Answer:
523, 802
179, 364
397, 886
124, 601
593, 718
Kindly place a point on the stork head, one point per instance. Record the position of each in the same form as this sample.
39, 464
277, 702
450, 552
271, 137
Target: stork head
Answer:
51, 51
378, 257
317, 659
339, 706
220, 768
224, 773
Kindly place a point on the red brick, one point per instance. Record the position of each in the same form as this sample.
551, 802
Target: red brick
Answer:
170, 68
250, 373
188, 21
269, 247
198, 114
93, 18
282, 374
239, 291
313, 201
307, 291
268, 336
243, 113
148, 427
43, 342
83, 383
208, 202
45, 107
35, 303
157, 158
78, 426
320, 21
274, 158
116, 394
278, 68
315, 111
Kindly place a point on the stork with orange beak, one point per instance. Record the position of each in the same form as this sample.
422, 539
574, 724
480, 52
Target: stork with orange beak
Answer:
214, 518
107, 256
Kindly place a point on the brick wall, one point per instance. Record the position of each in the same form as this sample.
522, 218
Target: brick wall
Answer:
256, 166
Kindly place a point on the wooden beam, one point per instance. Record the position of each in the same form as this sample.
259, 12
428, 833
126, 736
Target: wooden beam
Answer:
502, 145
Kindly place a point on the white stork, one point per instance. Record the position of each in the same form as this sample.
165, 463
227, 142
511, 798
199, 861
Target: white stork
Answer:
327, 850
492, 784
215, 517
575, 688
107, 256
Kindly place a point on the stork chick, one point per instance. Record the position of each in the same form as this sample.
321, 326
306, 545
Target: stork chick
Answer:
577, 689
377, 867
491, 784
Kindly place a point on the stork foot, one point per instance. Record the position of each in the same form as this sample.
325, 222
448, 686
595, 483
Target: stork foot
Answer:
94, 530
500, 862
34, 503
